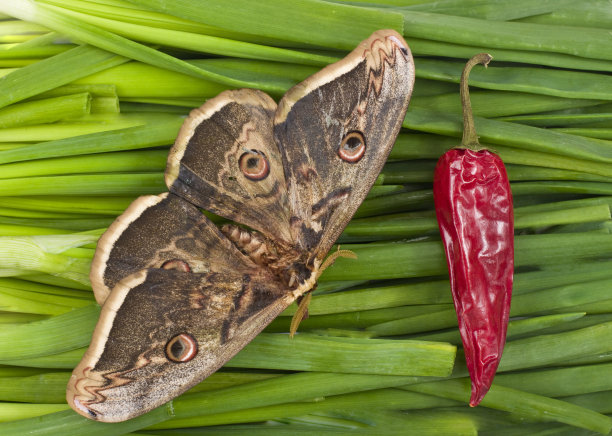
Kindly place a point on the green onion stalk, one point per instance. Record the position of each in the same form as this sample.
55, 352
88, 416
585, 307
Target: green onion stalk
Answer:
92, 95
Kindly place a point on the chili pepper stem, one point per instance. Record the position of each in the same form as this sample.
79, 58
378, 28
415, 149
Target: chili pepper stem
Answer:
470, 138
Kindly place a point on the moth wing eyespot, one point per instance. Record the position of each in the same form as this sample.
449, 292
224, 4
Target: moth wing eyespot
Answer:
181, 348
353, 147
177, 264
254, 165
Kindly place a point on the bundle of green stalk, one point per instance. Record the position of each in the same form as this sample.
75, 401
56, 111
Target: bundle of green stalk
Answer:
92, 94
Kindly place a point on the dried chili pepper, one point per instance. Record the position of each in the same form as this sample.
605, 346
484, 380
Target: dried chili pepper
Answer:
474, 210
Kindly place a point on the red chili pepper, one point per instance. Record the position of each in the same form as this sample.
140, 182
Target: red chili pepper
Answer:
474, 210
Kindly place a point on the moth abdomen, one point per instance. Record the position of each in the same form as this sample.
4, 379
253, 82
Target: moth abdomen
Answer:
289, 265
252, 244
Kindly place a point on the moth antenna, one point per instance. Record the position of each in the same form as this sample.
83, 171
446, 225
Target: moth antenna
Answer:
332, 258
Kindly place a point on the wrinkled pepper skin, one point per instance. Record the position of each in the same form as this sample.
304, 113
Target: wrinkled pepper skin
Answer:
474, 209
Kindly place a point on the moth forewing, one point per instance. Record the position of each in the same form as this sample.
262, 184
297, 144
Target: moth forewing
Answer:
225, 160
335, 131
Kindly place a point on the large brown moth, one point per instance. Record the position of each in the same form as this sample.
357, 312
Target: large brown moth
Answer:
180, 296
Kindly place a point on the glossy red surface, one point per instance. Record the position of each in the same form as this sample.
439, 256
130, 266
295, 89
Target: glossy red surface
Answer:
474, 209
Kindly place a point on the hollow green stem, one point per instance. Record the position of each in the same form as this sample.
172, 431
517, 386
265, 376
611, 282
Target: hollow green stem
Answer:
127, 161
520, 403
45, 111
158, 131
53, 72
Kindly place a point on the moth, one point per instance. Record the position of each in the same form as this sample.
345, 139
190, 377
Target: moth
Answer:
181, 296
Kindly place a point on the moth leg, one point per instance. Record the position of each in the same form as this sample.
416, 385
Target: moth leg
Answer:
304, 301
301, 313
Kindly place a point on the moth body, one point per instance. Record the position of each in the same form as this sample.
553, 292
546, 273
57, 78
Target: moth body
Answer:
290, 266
